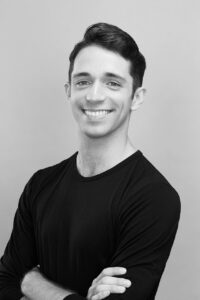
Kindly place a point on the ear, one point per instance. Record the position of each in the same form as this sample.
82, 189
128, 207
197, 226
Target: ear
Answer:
68, 90
138, 98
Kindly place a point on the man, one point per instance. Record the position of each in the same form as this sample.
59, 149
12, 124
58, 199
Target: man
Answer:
102, 222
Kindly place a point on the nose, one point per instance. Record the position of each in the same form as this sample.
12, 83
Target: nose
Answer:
95, 92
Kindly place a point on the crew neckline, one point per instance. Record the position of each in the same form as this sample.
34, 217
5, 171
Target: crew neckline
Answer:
122, 163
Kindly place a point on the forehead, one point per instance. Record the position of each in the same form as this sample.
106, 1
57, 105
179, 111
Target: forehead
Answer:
96, 60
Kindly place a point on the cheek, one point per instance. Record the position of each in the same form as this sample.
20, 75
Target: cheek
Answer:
77, 100
74, 109
123, 101
76, 94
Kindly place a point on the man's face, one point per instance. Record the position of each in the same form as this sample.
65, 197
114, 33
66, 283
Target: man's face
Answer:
101, 92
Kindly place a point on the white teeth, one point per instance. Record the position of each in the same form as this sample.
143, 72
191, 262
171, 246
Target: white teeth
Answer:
96, 113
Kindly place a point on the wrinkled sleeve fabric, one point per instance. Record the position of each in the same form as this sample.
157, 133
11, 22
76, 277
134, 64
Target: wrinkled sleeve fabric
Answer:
148, 222
20, 253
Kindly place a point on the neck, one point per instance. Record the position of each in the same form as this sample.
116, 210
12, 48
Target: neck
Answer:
97, 155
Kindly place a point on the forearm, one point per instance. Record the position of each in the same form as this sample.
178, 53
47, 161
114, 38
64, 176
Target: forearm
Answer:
35, 286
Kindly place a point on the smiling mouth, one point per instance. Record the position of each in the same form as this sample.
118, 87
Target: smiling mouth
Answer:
96, 112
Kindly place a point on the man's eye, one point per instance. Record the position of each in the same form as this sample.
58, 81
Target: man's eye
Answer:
82, 83
113, 84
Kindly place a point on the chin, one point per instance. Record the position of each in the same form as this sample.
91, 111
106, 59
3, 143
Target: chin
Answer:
93, 135
96, 134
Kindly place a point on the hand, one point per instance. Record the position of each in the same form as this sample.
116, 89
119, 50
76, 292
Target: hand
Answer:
105, 284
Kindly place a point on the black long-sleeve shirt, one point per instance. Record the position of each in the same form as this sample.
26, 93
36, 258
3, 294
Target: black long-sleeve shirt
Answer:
75, 226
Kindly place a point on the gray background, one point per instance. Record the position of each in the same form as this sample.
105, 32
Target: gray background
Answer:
38, 130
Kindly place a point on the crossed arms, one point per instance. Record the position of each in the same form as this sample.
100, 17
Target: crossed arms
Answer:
34, 286
143, 249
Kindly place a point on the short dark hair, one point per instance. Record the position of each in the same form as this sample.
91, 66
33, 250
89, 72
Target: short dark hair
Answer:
115, 39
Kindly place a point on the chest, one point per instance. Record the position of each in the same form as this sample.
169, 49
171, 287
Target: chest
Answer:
77, 217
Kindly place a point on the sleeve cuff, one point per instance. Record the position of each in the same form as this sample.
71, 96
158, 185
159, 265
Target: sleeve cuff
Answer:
74, 297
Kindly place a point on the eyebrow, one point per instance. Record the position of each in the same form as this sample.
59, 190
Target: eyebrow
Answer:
107, 74
116, 76
81, 74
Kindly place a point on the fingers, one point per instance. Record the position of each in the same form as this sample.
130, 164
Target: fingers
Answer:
106, 283
101, 295
101, 288
114, 289
115, 281
111, 271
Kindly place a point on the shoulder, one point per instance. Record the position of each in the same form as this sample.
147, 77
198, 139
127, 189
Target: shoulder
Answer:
147, 178
149, 194
48, 175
